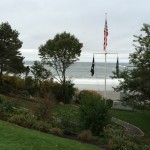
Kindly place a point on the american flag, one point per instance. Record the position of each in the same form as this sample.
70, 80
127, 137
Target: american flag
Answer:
105, 35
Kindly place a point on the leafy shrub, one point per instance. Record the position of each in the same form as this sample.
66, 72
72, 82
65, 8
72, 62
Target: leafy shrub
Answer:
1, 98
86, 135
30, 123
41, 126
68, 126
33, 90
56, 88
109, 103
5, 89
15, 81
21, 120
93, 113
29, 81
4, 115
7, 106
23, 111
56, 131
92, 93
117, 139
43, 110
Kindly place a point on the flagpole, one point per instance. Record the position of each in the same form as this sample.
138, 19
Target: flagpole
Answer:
105, 45
105, 95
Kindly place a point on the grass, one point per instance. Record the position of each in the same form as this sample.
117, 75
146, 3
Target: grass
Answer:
14, 137
69, 110
138, 118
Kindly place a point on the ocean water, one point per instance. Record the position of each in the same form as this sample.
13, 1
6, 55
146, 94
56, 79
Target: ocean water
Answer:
80, 74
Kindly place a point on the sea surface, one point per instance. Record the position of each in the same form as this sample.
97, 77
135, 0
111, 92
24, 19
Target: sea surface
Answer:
80, 74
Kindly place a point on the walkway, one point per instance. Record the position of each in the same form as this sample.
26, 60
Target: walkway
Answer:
130, 129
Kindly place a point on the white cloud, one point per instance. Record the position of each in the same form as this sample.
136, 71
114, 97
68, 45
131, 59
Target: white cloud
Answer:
30, 54
100, 57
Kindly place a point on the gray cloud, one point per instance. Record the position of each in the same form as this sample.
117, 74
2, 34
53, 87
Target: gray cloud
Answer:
39, 20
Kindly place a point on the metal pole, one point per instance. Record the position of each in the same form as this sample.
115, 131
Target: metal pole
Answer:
105, 92
105, 95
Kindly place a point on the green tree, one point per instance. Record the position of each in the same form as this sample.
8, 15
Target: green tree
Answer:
60, 53
27, 70
10, 56
136, 84
93, 112
40, 73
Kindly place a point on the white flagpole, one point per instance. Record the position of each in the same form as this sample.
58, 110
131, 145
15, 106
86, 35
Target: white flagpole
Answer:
105, 92
105, 95
105, 45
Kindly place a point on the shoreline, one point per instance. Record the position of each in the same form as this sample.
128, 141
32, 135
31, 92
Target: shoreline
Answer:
99, 86
96, 84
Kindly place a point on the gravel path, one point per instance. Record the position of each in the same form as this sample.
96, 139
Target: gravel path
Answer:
130, 129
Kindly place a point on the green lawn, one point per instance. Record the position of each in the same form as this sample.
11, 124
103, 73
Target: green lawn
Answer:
13, 137
138, 118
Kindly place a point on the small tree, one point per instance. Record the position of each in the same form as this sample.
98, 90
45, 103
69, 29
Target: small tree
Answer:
60, 53
93, 112
40, 73
10, 56
136, 84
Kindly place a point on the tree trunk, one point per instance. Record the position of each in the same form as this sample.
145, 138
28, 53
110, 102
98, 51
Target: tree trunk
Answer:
64, 88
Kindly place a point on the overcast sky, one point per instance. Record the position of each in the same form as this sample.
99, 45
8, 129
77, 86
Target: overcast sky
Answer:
40, 20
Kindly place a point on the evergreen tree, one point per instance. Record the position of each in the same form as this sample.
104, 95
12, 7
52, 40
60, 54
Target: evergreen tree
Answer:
10, 56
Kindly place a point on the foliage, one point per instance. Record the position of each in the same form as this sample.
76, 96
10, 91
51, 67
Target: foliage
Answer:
40, 73
41, 126
7, 106
85, 93
93, 113
86, 135
68, 110
60, 53
27, 70
56, 131
5, 89
28, 82
9, 51
56, 89
68, 126
21, 116
43, 108
136, 82
109, 103
66, 117
21, 120
118, 140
